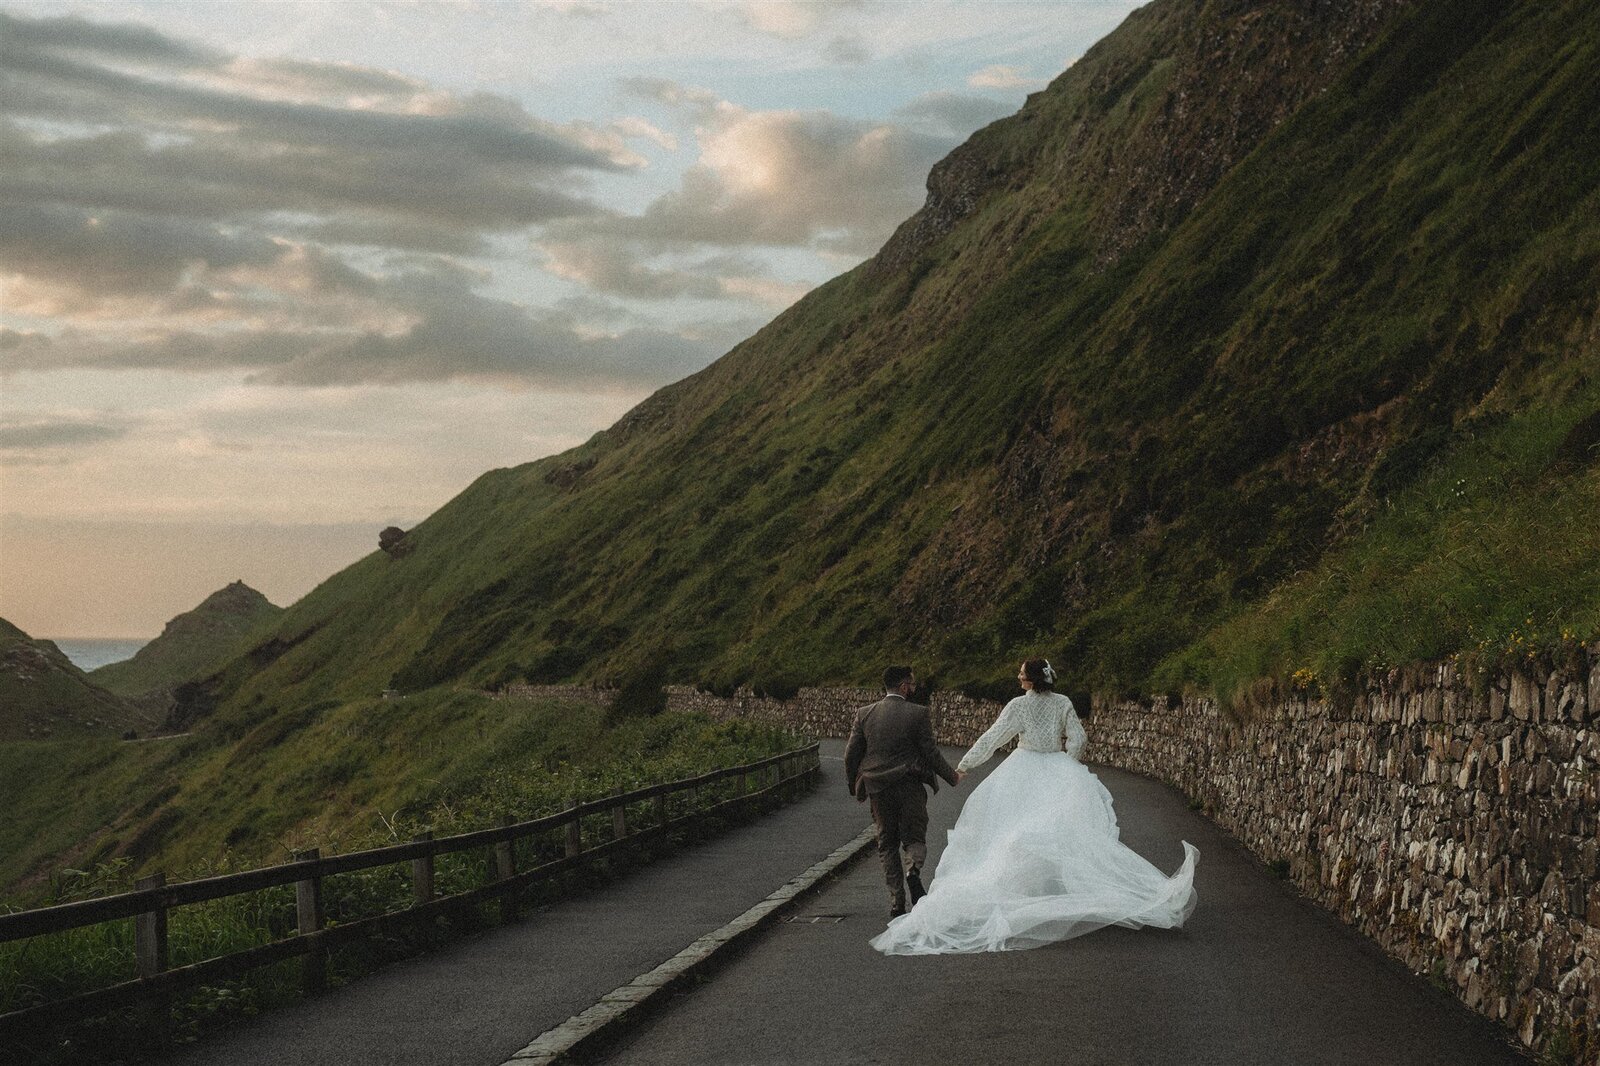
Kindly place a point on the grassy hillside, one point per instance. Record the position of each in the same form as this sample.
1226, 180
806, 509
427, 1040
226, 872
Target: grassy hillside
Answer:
43, 695
193, 643
333, 775
1174, 378
1261, 344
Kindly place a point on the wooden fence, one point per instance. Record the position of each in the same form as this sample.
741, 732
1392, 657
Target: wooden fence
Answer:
620, 829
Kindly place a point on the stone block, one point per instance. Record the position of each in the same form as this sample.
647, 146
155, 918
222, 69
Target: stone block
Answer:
1544, 776
1432, 701
1594, 683
1573, 703
1524, 698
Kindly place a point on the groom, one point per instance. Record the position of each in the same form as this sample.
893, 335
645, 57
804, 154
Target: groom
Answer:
890, 757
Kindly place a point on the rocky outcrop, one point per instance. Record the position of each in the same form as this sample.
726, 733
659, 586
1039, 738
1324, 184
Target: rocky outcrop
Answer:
1211, 85
189, 645
392, 542
1239, 71
43, 696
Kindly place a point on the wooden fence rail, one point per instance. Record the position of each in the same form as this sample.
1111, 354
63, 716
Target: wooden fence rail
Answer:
152, 899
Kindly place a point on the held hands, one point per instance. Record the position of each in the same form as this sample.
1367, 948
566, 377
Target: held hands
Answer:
960, 775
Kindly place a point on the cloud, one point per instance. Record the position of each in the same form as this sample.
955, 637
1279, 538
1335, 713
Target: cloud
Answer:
847, 51
172, 206
467, 171
503, 343
123, 119
618, 267
615, 267
792, 19
1004, 77
434, 328
22, 439
418, 235
809, 180
126, 41
954, 115
573, 8
17, 340
670, 93
118, 252
309, 80
784, 179
633, 126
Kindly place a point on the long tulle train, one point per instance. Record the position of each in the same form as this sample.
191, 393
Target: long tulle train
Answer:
1034, 858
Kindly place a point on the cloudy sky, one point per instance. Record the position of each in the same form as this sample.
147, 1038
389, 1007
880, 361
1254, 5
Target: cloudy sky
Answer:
276, 275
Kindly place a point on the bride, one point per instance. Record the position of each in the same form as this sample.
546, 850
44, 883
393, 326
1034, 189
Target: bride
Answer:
1034, 856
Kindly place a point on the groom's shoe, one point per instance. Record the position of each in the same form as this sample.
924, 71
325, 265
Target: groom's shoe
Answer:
914, 883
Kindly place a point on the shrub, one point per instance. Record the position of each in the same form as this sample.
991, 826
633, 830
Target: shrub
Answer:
642, 695
776, 687
993, 689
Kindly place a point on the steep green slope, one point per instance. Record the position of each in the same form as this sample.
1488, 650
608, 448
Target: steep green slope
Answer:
1217, 309
192, 643
43, 695
333, 775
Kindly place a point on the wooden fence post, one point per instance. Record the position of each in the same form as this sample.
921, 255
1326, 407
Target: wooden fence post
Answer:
150, 953
505, 868
422, 873
308, 912
619, 819
661, 809
574, 834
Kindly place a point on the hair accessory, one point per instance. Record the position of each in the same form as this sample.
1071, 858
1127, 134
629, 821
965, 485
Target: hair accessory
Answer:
1049, 673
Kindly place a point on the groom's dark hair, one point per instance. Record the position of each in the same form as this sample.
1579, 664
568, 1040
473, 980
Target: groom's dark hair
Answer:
894, 677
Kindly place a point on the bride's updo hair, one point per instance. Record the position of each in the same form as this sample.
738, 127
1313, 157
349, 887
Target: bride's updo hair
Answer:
1038, 671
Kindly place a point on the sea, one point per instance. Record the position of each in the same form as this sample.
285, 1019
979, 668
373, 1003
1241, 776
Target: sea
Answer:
91, 652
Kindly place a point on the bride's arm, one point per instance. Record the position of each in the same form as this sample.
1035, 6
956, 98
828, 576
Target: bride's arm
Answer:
1005, 727
1072, 731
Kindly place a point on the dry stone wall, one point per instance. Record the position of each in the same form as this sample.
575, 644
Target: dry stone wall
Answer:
829, 712
1457, 827
572, 695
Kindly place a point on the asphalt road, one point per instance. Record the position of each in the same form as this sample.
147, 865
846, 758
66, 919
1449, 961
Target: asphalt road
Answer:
483, 998
1258, 975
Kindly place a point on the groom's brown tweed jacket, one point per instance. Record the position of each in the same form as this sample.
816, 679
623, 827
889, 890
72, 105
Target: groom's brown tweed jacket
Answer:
890, 739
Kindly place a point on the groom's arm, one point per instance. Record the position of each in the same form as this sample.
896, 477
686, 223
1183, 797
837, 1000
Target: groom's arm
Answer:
854, 751
931, 755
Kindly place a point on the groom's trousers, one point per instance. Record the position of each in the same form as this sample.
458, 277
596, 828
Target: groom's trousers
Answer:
900, 813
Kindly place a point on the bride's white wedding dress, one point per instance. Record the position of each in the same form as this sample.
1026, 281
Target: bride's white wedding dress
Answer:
1034, 856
